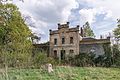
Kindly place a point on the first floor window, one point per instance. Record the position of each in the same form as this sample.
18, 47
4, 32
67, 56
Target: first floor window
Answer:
71, 40
55, 41
63, 40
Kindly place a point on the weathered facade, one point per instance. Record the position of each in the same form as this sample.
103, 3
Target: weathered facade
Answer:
88, 45
68, 41
64, 41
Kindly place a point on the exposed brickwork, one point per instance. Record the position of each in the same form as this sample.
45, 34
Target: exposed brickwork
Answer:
65, 35
64, 32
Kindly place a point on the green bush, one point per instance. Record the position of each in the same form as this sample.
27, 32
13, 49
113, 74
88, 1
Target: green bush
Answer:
41, 58
83, 59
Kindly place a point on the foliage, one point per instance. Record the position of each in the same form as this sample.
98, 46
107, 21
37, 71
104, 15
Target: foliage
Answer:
117, 31
90, 59
15, 47
88, 32
34, 38
40, 58
99, 61
116, 55
108, 55
83, 59
109, 58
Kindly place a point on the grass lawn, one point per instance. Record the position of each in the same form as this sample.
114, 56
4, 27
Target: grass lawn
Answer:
63, 73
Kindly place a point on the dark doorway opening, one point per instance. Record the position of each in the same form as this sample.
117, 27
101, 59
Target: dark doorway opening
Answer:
62, 54
55, 54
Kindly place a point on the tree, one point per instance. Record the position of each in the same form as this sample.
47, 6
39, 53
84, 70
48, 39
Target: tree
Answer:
117, 31
116, 51
34, 38
88, 32
116, 55
108, 61
14, 43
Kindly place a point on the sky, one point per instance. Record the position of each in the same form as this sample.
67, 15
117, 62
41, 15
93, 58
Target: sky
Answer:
43, 15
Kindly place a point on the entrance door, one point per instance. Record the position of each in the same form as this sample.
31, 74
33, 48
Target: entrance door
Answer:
55, 54
62, 54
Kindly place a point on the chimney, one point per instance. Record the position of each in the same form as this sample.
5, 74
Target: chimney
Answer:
101, 37
78, 26
68, 24
50, 31
81, 29
58, 25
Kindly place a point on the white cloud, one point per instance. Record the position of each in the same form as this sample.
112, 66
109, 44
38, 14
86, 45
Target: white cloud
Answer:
110, 6
109, 15
46, 12
90, 14
49, 10
94, 10
87, 15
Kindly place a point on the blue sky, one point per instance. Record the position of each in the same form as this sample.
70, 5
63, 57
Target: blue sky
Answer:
45, 14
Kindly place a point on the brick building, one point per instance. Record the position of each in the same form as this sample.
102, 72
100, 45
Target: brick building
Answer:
66, 41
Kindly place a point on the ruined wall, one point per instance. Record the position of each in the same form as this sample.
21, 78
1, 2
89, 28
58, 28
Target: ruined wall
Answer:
96, 48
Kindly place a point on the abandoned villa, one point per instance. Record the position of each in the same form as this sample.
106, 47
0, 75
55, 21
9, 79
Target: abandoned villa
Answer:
66, 41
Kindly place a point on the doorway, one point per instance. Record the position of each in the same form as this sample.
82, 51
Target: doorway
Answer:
62, 54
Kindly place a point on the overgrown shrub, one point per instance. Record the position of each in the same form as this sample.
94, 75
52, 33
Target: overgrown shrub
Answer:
83, 59
116, 55
40, 58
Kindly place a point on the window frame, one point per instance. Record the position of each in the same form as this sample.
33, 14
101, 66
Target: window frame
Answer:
55, 41
63, 40
71, 40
